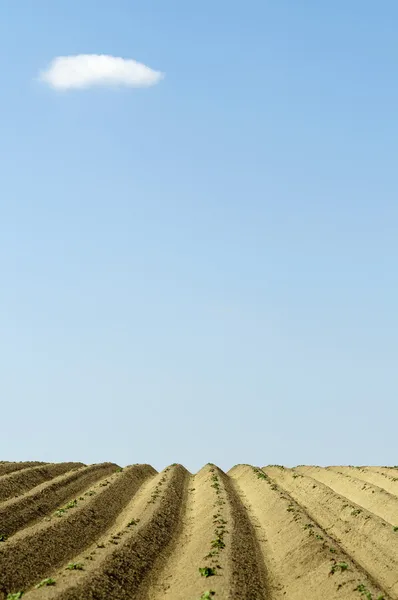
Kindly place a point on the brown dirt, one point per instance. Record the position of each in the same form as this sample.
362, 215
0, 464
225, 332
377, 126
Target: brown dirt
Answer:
382, 478
283, 534
11, 467
119, 570
20, 482
369, 540
45, 498
373, 498
29, 555
238, 567
295, 549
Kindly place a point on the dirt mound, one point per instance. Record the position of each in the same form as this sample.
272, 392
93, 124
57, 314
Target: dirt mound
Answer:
76, 532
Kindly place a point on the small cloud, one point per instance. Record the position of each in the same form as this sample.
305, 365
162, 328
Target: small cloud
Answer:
88, 70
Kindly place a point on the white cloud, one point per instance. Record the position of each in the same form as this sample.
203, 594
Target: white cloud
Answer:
88, 70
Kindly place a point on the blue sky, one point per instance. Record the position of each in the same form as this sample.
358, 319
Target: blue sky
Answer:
205, 269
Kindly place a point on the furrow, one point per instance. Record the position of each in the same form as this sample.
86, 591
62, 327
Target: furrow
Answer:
379, 477
367, 495
224, 547
12, 467
302, 560
20, 512
29, 555
248, 572
205, 517
120, 566
24, 480
370, 541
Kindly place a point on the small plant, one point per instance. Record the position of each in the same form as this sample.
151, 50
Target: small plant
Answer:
75, 567
3, 537
308, 526
207, 571
363, 590
119, 470
14, 596
356, 512
61, 511
332, 550
43, 582
366, 593
395, 528
217, 543
133, 522
341, 565
207, 595
260, 474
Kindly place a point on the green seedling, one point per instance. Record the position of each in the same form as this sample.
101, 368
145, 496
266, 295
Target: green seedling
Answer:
62, 511
14, 596
218, 543
3, 537
207, 571
332, 550
260, 474
366, 593
207, 595
308, 526
319, 537
395, 528
356, 512
342, 566
43, 582
119, 470
133, 522
75, 567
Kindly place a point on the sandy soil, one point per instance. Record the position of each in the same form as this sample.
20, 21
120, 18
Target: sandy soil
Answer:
101, 532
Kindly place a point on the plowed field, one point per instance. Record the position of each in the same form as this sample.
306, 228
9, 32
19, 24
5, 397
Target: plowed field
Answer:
74, 532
